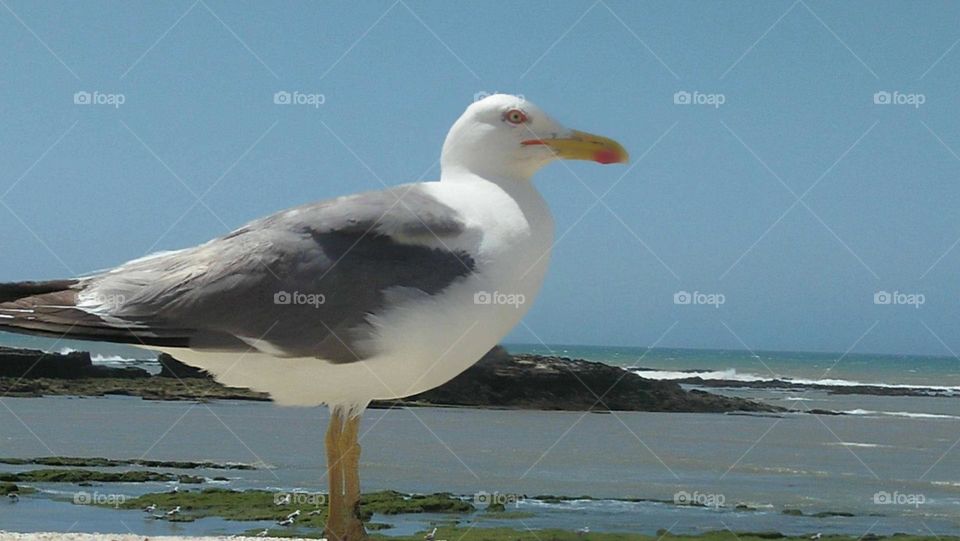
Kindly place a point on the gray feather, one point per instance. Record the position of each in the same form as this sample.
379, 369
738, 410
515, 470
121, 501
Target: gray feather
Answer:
352, 251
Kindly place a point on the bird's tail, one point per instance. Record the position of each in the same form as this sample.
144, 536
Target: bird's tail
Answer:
50, 309
45, 308
14, 291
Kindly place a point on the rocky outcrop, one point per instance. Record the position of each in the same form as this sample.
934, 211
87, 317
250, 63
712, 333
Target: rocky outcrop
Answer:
523, 381
26, 372
498, 380
31, 363
172, 368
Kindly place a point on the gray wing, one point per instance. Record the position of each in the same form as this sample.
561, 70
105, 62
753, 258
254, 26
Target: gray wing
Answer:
303, 281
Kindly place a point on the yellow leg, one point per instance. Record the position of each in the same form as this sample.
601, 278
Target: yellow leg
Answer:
350, 457
334, 527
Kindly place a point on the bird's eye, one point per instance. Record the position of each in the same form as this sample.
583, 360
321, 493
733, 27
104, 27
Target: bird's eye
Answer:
515, 116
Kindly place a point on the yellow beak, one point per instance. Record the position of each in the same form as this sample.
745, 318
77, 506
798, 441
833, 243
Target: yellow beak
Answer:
578, 145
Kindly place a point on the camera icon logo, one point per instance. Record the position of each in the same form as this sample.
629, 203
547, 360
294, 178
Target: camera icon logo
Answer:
82, 498
882, 498
682, 297
482, 297
282, 297
882, 297
881, 98
682, 97
282, 97
682, 498
82, 98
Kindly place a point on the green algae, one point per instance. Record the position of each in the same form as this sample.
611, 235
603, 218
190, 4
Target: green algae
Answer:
92, 476
100, 462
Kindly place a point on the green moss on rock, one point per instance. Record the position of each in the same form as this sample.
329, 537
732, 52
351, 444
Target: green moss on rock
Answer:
10, 488
101, 462
262, 505
92, 476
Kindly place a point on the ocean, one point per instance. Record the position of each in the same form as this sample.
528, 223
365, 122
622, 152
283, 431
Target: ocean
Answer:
890, 464
833, 369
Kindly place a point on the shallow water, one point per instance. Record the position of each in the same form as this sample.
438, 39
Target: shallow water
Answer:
797, 461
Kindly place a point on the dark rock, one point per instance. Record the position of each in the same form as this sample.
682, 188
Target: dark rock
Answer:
828, 514
172, 368
818, 411
21, 363
820, 514
558, 383
100, 462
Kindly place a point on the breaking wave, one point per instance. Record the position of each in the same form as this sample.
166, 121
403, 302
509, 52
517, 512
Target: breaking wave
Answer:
731, 374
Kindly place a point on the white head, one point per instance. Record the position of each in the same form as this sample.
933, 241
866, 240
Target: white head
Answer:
504, 137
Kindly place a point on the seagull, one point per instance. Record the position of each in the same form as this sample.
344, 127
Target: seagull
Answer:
295, 514
150, 508
263, 533
817, 535
314, 513
430, 536
173, 511
370, 296
583, 531
286, 522
13, 496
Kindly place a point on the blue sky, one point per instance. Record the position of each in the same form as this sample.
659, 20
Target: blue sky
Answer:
710, 204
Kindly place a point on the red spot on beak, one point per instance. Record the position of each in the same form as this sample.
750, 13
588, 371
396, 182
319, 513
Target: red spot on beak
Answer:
606, 156
533, 142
